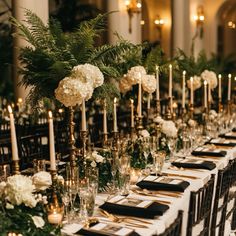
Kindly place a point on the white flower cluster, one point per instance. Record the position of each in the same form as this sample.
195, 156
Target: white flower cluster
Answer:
149, 83
145, 134
197, 83
19, 189
95, 158
213, 115
191, 123
80, 85
210, 77
134, 76
169, 129
158, 120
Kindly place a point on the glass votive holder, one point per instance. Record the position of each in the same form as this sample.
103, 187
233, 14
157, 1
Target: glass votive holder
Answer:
134, 175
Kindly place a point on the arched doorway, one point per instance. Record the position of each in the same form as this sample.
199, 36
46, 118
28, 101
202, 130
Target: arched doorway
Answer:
226, 29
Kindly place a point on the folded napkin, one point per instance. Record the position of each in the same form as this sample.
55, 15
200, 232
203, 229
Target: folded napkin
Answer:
103, 229
204, 151
221, 142
234, 129
163, 183
134, 207
192, 163
230, 135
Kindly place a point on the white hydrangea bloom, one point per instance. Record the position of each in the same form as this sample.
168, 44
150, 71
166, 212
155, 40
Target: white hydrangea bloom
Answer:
135, 74
38, 221
149, 83
168, 128
19, 190
191, 123
144, 133
98, 158
124, 85
197, 83
158, 120
210, 77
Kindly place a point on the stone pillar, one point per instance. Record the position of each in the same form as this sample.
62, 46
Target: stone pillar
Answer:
119, 22
18, 6
181, 25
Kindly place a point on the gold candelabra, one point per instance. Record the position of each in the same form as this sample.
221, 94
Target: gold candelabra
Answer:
132, 133
54, 177
139, 124
83, 136
229, 107
158, 107
15, 167
220, 106
168, 111
72, 147
191, 110
105, 139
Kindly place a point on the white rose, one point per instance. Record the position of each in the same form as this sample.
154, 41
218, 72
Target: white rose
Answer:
9, 206
93, 164
38, 221
169, 129
192, 123
98, 158
158, 120
149, 83
135, 74
2, 187
197, 83
144, 133
42, 180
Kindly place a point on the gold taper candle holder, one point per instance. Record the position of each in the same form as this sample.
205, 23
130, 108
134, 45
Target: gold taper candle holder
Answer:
205, 119
54, 177
209, 106
83, 136
15, 167
168, 111
183, 113
220, 106
229, 107
132, 133
72, 147
104, 139
115, 135
139, 125
158, 107
191, 111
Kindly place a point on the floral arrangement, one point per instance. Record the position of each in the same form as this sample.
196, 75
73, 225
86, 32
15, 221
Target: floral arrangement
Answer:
80, 85
22, 205
210, 77
197, 82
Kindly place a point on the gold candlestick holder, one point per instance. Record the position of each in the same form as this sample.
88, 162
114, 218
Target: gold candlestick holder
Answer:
132, 133
205, 119
209, 106
183, 113
54, 177
158, 107
191, 110
115, 135
72, 147
15, 167
220, 106
229, 107
168, 111
104, 139
83, 136
139, 125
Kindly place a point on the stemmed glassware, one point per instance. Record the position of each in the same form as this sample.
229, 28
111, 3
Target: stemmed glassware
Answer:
171, 142
146, 152
159, 159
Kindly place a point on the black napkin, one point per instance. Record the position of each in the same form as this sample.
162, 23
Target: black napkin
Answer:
208, 165
228, 135
152, 185
205, 152
91, 232
149, 212
234, 129
221, 143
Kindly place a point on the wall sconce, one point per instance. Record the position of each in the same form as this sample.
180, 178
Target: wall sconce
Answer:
132, 6
159, 22
231, 25
199, 19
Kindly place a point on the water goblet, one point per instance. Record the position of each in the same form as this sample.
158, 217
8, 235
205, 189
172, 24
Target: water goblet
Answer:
159, 159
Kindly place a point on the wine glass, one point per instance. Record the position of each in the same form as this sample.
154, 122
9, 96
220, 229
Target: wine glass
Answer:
146, 152
171, 142
159, 159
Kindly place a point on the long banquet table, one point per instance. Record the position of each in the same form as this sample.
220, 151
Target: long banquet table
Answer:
197, 178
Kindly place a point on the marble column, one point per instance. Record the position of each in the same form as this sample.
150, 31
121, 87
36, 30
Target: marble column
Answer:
119, 22
18, 6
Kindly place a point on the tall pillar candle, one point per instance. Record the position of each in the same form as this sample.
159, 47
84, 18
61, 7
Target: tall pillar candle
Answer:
183, 89
132, 112
191, 91
51, 142
157, 84
115, 129
83, 119
209, 93
205, 94
140, 99
105, 117
219, 88
14, 147
229, 87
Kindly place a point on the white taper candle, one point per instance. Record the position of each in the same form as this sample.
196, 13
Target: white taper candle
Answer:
83, 119
229, 87
115, 129
51, 142
157, 84
183, 89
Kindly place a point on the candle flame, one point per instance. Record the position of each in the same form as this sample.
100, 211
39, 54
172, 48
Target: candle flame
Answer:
170, 66
60, 110
20, 100
50, 114
132, 101
184, 72
115, 100
219, 76
229, 76
205, 82
157, 68
235, 78
191, 79
9, 109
